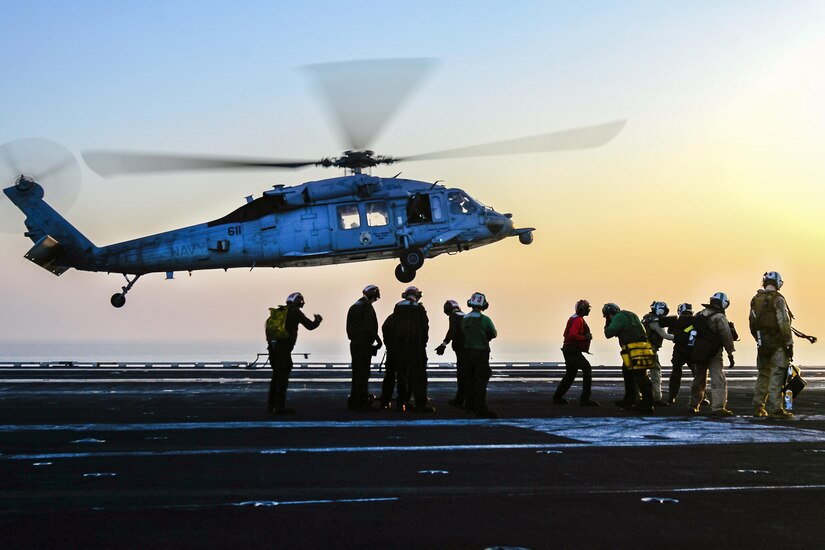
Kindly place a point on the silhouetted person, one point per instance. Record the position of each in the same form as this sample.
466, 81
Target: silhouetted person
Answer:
412, 327
393, 368
456, 337
280, 353
364, 342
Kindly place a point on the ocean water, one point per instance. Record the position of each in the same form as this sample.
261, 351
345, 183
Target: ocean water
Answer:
240, 350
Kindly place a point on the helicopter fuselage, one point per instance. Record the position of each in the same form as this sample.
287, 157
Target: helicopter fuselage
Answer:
357, 218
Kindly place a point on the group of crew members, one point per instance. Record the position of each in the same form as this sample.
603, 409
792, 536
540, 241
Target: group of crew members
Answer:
698, 343
405, 334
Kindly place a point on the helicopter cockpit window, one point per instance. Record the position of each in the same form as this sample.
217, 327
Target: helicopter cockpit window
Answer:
460, 203
348, 216
418, 209
377, 214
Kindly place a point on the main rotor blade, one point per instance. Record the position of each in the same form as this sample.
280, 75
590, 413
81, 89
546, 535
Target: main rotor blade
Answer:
364, 95
114, 163
578, 138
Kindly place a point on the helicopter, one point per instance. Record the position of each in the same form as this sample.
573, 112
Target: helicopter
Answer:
350, 218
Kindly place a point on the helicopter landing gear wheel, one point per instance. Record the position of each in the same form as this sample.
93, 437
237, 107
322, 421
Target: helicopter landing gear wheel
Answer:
119, 299
412, 259
404, 275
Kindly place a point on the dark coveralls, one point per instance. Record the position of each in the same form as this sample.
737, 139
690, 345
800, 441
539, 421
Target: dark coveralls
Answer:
362, 331
455, 336
577, 338
680, 328
391, 366
412, 327
280, 356
627, 327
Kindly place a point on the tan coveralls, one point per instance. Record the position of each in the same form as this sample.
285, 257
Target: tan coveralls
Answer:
718, 323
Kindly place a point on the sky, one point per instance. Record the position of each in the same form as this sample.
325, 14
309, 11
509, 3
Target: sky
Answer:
716, 178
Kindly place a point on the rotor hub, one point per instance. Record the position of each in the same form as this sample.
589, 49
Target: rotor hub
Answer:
24, 183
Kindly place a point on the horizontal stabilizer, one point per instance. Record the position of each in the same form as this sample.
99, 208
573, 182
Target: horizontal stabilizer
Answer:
44, 253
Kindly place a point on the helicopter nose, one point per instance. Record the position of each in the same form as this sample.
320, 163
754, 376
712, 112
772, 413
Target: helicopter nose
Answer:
496, 222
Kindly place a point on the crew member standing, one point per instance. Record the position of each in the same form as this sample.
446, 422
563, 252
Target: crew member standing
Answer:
280, 353
577, 338
656, 335
456, 337
412, 327
637, 355
681, 329
364, 343
713, 332
770, 325
478, 330
391, 369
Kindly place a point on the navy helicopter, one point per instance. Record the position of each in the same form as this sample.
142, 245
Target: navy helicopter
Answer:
354, 217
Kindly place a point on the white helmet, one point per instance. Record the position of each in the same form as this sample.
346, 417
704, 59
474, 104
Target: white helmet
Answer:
684, 308
296, 298
659, 308
772, 277
371, 292
720, 299
412, 291
478, 300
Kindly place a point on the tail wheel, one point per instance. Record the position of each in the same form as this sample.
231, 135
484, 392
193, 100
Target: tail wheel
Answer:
118, 300
404, 275
412, 259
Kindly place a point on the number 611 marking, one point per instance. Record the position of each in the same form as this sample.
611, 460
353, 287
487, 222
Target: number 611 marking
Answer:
234, 230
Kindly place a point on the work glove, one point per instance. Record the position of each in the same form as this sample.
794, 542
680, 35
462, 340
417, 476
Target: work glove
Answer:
318, 318
440, 349
732, 362
789, 352
588, 336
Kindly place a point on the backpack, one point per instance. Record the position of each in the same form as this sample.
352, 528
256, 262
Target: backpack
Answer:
706, 343
276, 324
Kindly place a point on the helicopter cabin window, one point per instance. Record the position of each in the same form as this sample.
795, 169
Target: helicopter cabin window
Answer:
419, 210
348, 216
377, 214
460, 203
438, 214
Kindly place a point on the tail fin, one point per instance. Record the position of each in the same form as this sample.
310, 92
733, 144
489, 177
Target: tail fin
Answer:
58, 245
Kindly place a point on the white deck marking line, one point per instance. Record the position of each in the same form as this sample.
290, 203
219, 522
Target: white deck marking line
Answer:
589, 431
284, 450
339, 380
653, 490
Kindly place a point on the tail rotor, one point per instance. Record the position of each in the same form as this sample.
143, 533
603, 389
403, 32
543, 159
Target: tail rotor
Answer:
29, 160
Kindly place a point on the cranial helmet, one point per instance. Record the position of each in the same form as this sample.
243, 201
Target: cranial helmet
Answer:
296, 299
659, 308
371, 292
478, 300
720, 299
412, 291
772, 277
451, 306
582, 307
684, 308
610, 309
